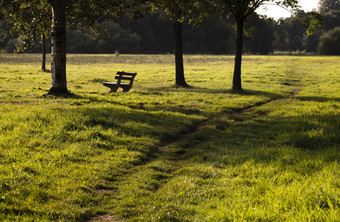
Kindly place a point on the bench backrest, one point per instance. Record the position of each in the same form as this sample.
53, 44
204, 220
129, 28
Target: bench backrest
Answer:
125, 76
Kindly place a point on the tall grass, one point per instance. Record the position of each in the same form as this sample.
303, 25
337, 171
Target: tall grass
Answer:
162, 153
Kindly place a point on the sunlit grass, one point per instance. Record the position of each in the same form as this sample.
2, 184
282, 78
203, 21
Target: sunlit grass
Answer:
162, 153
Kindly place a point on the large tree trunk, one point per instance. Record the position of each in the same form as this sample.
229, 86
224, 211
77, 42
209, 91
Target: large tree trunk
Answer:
180, 80
43, 44
58, 54
238, 57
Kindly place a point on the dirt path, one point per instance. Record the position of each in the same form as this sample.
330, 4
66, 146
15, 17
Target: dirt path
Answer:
162, 149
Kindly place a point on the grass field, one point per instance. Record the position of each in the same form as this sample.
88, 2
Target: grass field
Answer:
162, 153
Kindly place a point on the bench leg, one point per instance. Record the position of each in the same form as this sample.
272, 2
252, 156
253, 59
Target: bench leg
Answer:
126, 88
114, 88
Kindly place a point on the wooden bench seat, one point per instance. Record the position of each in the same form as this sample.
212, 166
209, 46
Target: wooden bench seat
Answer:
124, 81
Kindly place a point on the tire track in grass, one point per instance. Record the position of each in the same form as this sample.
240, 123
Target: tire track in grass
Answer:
248, 109
164, 175
251, 108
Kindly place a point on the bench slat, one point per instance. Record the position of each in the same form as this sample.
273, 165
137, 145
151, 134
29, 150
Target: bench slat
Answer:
124, 78
114, 83
126, 73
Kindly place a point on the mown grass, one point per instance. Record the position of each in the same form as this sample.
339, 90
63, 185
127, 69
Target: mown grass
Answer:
162, 153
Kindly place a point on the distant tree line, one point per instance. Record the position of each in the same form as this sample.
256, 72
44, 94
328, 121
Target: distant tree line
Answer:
291, 34
153, 34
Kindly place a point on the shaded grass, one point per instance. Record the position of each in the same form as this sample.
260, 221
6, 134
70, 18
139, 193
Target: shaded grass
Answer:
277, 163
93, 153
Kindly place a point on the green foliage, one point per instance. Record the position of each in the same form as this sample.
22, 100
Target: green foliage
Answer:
331, 20
151, 34
243, 9
114, 39
328, 5
329, 42
261, 39
314, 21
291, 32
28, 19
191, 11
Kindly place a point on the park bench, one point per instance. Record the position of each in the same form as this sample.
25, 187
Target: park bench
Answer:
126, 85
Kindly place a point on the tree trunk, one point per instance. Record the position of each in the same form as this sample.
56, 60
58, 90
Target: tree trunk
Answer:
58, 54
238, 57
180, 80
43, 44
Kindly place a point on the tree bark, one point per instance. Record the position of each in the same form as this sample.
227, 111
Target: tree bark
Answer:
58, 52
238, 57
43, 44
180, 80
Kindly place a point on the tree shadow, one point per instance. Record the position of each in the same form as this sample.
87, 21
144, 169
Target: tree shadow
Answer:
46, 70
67, 95
318, 98
158, 90
128, 123
285, 141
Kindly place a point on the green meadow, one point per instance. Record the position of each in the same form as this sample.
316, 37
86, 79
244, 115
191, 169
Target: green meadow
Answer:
163, 153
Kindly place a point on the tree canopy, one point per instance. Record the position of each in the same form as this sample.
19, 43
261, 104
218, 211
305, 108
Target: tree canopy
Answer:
329, 42
28, 19
328, 5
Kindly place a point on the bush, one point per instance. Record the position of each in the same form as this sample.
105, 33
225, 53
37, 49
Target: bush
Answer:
11, 45
329, 42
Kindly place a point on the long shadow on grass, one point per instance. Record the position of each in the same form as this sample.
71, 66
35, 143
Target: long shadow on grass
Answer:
79, 100
67, 95
159, 90
284, 140
318, 99
124, 124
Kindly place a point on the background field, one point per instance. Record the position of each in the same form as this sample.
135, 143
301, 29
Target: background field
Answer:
162, 153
